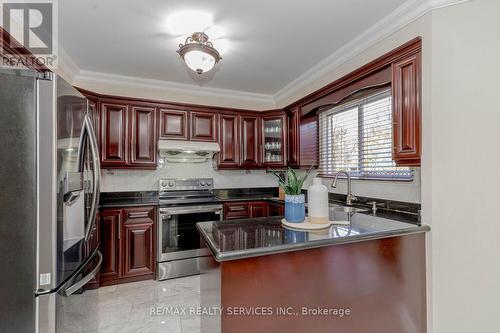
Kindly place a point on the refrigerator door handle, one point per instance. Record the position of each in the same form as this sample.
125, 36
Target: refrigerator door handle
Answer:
96, 175
67, 291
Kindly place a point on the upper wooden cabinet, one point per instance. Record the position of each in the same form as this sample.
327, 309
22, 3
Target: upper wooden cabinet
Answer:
249, 141
308, 141
293, 119
229, 141
173, 124
273, 140
128, 135
406, 108
203, 126
143, 135
114, 134
302, 139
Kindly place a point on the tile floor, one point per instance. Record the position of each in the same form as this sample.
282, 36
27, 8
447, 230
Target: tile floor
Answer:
126, 308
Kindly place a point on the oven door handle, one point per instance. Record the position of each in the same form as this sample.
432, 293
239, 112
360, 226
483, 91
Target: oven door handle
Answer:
176, 211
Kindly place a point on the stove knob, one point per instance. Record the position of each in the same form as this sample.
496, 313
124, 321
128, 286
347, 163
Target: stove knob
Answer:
208, 183
170, 183
202, 183
164, 183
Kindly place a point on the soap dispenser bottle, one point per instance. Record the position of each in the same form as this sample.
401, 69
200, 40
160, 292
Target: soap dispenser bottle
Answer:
317, 202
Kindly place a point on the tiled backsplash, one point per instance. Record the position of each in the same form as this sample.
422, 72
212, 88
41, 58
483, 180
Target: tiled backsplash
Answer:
146, 180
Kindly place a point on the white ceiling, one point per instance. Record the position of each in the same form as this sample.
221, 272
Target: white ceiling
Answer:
269, 43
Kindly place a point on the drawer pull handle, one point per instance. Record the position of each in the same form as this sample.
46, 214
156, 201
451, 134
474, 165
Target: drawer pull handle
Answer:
138, 215
238, 208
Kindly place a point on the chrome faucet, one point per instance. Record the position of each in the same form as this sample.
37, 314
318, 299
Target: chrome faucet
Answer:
350, 198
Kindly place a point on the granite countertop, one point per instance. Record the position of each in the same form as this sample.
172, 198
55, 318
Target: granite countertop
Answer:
129, 199
247, 238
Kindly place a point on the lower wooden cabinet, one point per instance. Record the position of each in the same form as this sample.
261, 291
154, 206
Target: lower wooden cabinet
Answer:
138, 239
235, 210
257, 209
251, 209
111, 221
127, 244
275, 209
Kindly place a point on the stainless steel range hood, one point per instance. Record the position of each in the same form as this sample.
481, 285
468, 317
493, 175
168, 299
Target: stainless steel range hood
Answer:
187, 151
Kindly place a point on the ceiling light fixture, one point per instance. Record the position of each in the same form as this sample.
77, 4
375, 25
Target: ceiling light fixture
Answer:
198, 53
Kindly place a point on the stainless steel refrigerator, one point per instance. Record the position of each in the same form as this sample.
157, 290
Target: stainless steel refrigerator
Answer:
49, 196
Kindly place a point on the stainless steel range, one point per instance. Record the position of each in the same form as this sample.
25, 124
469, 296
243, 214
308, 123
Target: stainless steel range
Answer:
183, 203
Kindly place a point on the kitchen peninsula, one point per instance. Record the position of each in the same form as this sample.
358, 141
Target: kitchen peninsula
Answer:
368, 276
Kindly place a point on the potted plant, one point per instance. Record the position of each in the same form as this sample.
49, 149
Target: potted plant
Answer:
295, 209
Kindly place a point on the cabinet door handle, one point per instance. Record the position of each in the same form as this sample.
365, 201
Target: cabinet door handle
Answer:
135, 215
119, 230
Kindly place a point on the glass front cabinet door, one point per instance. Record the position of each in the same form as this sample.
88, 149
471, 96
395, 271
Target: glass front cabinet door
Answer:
273, 140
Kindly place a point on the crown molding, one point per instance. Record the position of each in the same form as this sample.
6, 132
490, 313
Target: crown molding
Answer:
85, 78
65, 65
408, 12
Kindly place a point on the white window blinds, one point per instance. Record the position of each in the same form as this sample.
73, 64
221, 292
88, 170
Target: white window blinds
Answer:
357, 137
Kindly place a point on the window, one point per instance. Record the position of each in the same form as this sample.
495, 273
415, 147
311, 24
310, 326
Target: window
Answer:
357, 137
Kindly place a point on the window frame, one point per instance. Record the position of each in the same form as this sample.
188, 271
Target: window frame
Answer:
360, 103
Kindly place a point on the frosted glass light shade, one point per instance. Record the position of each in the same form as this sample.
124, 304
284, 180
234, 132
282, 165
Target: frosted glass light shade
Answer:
198, 53
199, 61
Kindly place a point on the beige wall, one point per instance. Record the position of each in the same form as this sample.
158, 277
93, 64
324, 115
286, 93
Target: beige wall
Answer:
465, 171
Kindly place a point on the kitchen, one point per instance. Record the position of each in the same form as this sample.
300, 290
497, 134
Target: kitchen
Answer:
165, 187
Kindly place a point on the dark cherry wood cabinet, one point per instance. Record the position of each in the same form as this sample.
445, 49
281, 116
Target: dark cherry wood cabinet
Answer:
293, 119
127, 243
406, 108
229, 141
252, 209
110, 245
250, 141
257, 209
203, 126
273, 140
174, 124
275, 209
138, 241
143, 136
302, 139
308, 141
235, 210
114, 134
128, 135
